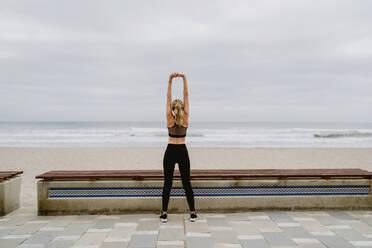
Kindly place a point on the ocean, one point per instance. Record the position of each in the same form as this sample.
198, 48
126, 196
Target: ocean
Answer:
206, 134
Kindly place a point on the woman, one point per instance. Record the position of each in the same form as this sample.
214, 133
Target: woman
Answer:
176, 151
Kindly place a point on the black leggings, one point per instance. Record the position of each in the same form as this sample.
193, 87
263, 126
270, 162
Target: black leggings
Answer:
177, 153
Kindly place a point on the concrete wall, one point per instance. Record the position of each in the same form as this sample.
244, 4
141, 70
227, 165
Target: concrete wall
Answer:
10, 190
116, 205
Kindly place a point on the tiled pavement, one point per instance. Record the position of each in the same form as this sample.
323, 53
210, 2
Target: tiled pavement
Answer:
280, 229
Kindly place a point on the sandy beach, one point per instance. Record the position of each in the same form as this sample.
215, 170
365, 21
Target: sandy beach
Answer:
34, 161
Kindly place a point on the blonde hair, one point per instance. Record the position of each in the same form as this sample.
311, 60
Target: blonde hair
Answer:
177, 107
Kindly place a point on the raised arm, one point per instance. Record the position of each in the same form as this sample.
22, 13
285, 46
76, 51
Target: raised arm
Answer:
169, 97
185, 94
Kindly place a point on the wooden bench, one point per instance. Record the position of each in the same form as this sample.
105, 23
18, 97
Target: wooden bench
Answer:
123, 191
10, 189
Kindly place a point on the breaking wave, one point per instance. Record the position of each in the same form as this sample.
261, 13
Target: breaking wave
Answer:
343, 134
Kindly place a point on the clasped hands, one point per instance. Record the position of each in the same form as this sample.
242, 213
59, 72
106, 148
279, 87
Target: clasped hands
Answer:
175, 74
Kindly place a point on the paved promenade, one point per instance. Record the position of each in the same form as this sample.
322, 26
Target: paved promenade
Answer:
280, 229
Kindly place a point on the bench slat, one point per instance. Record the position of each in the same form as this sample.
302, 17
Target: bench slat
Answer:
8, 174
222, 173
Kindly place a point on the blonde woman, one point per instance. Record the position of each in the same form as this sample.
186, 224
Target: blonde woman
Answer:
176, 151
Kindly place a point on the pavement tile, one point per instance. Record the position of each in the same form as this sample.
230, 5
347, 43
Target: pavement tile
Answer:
19, 220
221, 221
224, 236
361, 227
270, 229
115, 240
17, 236
237, 216
37, 221
256, 243
338, 227
131, 217
202, 240
126, 224
10, 243
315, 245
278, 239
299, 219
362, 243
115, 244
61, 222
323, 233
334, 241
367, 221
41, 238
51, 229
215, 215
255, 213
86, 246
13, 240
91, 239
317, 213
368, 235
259, 217
298, 213
122, 232
327, 220
171, 233
170, 244
341, 215
61, 243
28, 228
305, 240
75, 229
99, 230
351, 235
227, 245
280, 216
296, 232
175, 219
148, 225
313, 226
23, 245
4, 219
67, 238
264, 223
82, 222
244, 227
109, 217
197, 226
250, 236
87, 217
143, 240
5, 230
287, 224
104, 223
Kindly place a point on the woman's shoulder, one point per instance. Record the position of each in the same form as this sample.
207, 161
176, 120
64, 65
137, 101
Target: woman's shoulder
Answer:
186, 120
185, 124
170, 123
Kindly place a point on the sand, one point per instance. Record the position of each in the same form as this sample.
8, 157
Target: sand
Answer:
34, 161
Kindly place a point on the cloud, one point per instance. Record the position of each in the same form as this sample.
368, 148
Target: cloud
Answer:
244, 60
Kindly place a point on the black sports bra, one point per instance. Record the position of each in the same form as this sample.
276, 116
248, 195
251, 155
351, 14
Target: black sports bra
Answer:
177, 131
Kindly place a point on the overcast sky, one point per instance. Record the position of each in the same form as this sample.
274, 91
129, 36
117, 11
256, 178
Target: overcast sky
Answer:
244, 60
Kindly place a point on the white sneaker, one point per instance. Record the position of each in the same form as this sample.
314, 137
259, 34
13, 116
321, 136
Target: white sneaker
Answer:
193, 217
163, 218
